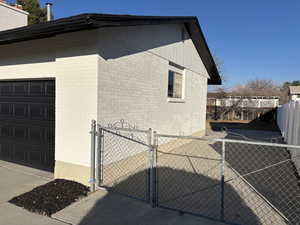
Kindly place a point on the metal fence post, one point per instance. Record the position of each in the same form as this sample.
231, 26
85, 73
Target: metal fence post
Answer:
222, 180
99, 164
150, 187
93, 152
154, 169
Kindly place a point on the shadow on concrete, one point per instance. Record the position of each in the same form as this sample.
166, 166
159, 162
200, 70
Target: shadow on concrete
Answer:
177, 189
270, 171
256, 124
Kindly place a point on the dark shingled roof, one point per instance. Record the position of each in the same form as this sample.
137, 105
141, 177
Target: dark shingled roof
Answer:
93, 21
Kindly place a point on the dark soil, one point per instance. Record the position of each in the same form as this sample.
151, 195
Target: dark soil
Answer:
51, 197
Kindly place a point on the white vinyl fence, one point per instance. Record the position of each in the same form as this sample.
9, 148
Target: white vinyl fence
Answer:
288, 120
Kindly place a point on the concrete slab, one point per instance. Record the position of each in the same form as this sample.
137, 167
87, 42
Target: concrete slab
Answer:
16, 180
13, 215
112, 209
26, 169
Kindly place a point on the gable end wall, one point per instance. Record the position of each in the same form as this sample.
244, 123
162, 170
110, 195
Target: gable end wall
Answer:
133, 79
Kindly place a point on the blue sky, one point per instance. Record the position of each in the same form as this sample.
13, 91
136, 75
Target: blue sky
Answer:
254, 39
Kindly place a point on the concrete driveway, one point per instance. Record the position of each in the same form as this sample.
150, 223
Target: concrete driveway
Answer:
15, 180
98, 208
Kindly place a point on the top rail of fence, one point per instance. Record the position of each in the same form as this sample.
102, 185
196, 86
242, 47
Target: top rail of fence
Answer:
182, 137
125, 137
257, 143
124, 129
252, 142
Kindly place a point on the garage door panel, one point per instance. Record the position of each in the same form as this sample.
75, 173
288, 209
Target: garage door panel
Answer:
36, 156
6, 150
36, 89
19, 153
37, 111
27, 122
36, 135
5, 109
5, 89
50, 89
20, 133
20, 89
50, 112
50, 136
20, 110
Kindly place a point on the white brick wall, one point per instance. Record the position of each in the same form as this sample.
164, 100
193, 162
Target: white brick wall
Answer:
133, 79
11, 17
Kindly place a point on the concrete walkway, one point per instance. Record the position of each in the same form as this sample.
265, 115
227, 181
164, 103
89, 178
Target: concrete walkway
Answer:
112, 209
98, 208
15, 180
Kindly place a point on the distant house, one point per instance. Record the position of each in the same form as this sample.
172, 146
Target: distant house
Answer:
294, 93
243, 101
234, 107
12, 16
57, 76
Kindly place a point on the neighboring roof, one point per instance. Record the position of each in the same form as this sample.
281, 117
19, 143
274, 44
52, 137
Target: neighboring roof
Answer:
93, 21
14, 8
294, 89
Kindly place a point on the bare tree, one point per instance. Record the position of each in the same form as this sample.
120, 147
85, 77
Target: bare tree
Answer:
242, 96
220, 66
258, 87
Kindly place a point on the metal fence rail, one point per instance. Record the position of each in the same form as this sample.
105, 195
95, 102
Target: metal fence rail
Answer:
188, 175
125, 162
234, 181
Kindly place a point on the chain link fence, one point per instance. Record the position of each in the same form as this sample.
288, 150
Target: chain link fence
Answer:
264, 175
188, 175
233, 181
124, 161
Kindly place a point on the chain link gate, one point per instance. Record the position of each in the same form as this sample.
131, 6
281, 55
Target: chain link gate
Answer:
188, 175
124, 161
233, 181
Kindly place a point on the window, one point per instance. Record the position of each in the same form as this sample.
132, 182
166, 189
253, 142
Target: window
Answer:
175, 85
298, 96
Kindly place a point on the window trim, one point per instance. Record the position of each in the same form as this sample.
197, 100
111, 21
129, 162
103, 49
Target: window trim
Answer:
180, 70
176, 100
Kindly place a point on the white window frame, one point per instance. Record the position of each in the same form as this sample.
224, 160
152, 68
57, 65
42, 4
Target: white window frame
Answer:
180, 70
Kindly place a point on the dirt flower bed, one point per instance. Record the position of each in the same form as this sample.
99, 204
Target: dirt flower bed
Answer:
51, 197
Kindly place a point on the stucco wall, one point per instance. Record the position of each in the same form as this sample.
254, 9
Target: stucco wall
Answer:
11, 17
73, 64
133, 79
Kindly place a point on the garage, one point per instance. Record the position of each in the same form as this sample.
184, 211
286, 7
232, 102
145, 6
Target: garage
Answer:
27, 122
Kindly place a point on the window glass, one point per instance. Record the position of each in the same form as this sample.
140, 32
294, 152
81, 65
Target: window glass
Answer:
175, 85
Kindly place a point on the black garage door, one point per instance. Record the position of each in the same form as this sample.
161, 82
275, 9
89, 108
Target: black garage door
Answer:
27, 122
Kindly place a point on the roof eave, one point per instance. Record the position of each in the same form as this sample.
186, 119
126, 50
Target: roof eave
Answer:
93, 21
